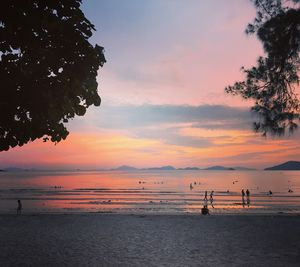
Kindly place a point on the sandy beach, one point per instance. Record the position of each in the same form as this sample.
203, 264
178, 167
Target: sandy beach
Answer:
149, 240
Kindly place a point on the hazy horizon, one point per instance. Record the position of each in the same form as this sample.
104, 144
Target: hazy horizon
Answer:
200, 168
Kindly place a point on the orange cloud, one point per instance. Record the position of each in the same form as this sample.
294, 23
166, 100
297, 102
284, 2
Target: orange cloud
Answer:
108, 149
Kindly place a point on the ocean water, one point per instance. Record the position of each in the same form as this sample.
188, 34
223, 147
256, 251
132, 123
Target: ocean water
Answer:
144, 192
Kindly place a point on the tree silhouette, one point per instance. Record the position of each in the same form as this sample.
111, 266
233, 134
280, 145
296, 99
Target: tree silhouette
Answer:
272, 83
48, 69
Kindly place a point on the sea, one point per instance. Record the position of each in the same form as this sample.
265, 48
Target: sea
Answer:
150, 192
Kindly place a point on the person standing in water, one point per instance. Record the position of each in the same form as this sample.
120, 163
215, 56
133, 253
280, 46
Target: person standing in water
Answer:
205, 200
243, 197
248, 197
205, 209
211, 198
19, 208
191, 186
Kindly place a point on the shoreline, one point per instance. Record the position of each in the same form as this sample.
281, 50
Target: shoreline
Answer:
238, 214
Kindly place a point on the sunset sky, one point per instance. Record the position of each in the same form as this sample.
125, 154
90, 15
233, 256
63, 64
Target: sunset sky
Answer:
162, 90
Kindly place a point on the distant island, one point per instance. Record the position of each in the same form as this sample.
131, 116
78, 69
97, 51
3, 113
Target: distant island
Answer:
189, 169
243, 169
15, 169
171, 168
126, 168
163, 168
219, 168
130, 168
287, 166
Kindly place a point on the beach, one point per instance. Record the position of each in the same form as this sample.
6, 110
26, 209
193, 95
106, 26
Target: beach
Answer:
95, 239
149, 218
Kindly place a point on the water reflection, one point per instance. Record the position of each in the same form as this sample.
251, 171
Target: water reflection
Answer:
151, 191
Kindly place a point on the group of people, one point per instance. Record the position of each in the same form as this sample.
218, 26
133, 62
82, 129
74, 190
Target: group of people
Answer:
205, 209
247, 197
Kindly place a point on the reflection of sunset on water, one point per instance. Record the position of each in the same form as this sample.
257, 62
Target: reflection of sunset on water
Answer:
150, 191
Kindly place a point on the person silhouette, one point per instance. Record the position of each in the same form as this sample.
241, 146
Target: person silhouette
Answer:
248, 197
243, 197
211, 198
191, 186
19, 208
205, 209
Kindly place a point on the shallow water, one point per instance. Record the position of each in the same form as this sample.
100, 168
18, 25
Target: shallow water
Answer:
140, 192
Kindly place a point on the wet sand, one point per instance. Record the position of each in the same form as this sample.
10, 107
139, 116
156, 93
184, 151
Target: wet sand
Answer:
149, 240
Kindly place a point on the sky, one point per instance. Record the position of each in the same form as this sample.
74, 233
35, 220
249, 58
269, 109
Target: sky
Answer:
162, 91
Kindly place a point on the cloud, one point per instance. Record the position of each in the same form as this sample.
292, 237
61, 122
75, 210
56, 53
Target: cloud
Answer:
170, 124
217, 132
264, 155
202, 116
149, 135
172, 136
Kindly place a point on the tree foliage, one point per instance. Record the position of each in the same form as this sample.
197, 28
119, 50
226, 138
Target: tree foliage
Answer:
48, 69
273, 82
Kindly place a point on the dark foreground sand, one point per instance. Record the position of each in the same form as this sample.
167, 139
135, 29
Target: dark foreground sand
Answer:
151, 240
